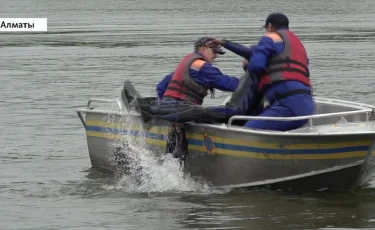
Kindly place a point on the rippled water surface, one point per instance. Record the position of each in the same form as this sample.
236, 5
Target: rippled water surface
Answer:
91, 47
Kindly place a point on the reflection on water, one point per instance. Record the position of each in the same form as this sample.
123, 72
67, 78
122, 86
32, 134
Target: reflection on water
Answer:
260, 208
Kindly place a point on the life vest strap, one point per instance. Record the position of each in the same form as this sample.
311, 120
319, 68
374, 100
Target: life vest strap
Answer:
289, 69
289, 61
187, 93
191, 92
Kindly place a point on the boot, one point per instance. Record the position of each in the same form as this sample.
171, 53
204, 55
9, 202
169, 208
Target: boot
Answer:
171, 141
181, 148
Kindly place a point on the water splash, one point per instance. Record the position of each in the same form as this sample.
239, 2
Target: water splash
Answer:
143, 170
153, 174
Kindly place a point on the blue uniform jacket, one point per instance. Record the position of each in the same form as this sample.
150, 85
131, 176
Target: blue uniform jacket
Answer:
208, 75
259, 56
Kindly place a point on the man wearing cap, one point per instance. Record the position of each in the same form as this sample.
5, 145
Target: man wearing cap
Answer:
190, 83
195, 75
280, 63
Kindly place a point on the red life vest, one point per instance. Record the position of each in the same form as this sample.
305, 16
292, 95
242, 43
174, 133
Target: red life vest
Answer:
182, 86
291, 64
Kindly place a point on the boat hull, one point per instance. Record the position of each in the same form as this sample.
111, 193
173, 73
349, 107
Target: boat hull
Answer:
233, 158
345, 179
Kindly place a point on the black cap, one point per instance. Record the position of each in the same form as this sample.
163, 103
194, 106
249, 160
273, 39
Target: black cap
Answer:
208, 42
277, 19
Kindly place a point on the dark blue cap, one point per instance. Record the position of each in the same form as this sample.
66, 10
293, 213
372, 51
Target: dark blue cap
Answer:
208, 42
277, 19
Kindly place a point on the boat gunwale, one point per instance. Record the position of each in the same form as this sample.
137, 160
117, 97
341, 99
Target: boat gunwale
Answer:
361, 108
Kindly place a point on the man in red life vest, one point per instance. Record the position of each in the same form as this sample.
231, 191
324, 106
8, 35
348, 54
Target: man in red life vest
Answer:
280, 63
189, 84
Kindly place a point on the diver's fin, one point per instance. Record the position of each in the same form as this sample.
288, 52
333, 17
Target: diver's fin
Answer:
128, 95
132, 99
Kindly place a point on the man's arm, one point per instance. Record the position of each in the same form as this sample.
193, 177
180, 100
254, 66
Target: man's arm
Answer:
269, 45
238, 49
211, 76
162, 85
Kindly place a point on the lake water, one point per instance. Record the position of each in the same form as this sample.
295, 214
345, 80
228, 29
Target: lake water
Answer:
91, 47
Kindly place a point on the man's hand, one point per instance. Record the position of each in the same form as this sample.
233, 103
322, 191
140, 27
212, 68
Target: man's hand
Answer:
244, 64
218, 42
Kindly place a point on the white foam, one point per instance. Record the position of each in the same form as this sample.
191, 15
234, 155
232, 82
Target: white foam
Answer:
151, 171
